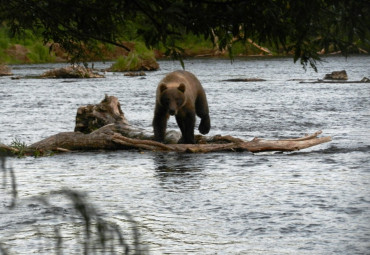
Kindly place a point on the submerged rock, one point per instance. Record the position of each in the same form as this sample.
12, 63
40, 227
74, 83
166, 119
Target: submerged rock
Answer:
365, 79
336, 75
71, 72
135, 74
244, 79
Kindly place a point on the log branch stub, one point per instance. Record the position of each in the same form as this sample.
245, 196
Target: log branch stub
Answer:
92, 117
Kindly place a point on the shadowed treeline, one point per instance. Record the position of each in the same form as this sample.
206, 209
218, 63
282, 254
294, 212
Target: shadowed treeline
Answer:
61, 222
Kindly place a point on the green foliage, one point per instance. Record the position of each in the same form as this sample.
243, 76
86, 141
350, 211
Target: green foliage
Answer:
239, 48
126, 63
193, 43
4, 39
4, 44
40, 54
4, 58
134, 60
299, 27
27, 38
20, 146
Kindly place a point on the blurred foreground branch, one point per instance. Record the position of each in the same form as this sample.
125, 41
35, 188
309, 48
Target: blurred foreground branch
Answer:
65, 218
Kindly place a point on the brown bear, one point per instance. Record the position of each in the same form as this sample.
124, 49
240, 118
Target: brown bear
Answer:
180, 94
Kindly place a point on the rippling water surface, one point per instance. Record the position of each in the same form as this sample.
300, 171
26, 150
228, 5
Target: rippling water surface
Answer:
315, 201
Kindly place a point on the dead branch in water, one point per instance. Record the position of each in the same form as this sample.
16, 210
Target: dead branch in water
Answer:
113, 132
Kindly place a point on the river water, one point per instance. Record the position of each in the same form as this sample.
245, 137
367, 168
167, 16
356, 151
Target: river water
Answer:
314, 201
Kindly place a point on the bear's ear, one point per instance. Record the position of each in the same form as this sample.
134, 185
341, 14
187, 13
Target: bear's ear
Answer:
162, 87
181, 87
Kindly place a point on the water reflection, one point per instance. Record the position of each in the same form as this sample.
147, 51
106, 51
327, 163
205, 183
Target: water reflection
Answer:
178, 171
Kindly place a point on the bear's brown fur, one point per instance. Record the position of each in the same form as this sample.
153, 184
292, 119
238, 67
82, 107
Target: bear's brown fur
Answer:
180, 94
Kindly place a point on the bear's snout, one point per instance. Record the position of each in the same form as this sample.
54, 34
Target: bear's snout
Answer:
172, 112
172, 108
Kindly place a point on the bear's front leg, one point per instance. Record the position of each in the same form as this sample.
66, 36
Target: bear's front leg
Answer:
205, 125
201, 107
186, 123
160, 123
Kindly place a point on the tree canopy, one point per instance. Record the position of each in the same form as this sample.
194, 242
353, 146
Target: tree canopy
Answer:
302, 28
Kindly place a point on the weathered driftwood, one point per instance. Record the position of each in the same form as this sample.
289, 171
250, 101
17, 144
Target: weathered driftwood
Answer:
73, 71
110, 138
92, 117
265, 50
7, 150
336, 75
116, 133
5, 70
363, 80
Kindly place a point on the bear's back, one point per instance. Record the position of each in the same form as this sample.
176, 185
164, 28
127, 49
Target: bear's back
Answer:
175, 78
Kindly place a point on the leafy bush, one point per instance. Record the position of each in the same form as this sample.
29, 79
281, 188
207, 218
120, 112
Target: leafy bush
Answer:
40, 54
4, 39
125, 63
141, 58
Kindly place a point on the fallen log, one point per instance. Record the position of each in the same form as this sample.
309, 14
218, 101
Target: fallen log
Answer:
259, 47
116, 133
108, 139
336, 75
364, 80
71, 72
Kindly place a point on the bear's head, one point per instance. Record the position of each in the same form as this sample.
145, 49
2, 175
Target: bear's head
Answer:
172, 97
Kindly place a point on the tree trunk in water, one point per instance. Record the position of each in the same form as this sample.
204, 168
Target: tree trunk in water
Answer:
104, 127
110, 138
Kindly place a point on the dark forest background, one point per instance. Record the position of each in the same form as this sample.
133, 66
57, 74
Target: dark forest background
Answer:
88, 29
